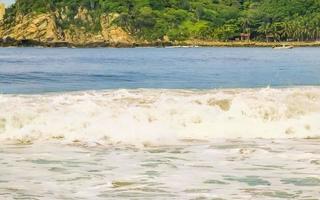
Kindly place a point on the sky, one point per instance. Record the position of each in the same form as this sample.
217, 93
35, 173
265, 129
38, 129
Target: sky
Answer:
7, 2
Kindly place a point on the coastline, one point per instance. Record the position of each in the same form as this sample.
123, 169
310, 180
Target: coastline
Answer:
186, 43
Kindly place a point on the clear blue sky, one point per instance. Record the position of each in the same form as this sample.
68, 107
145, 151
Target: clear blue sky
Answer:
7, 2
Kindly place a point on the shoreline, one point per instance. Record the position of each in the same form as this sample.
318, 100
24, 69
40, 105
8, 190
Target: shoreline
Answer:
192, 90
176, 44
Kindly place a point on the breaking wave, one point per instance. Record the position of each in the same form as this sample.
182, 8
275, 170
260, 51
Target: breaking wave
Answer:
160, 116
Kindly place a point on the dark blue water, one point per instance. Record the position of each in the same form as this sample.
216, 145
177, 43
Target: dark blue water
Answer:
37, 70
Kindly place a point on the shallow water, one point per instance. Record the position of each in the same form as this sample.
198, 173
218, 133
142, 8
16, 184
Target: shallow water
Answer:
221, 169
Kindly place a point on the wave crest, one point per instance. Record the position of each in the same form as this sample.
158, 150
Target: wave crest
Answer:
161, 116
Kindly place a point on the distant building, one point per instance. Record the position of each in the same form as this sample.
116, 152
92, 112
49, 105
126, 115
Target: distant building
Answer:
269, 38
245, 36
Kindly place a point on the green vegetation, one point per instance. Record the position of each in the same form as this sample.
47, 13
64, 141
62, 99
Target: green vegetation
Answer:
223, 20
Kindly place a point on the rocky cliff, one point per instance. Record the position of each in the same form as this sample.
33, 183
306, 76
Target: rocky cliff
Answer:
2, 11
47, 28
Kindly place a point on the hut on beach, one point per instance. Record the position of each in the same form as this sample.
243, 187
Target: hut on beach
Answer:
245, 36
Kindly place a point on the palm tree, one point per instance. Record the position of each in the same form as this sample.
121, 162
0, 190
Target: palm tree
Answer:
288, 30
298, 29
265, 29
277, 30
245, 24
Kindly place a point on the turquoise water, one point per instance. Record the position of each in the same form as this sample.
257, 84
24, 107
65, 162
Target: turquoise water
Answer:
37, 70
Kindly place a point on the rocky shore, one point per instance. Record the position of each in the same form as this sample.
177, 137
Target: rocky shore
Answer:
10, 42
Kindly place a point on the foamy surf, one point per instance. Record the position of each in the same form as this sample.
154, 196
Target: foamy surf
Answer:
160, 117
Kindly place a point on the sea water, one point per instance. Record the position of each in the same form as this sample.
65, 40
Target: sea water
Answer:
155, 123
38, 70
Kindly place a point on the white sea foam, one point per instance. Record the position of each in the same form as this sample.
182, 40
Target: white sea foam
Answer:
161, 116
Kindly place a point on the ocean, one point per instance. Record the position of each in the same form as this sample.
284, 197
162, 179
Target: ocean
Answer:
41, 70
159, 123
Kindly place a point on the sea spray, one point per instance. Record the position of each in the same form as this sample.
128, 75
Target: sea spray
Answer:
162, 117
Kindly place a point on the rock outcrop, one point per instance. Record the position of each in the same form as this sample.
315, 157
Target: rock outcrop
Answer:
2, 11
112, 33
47, 28
39, 28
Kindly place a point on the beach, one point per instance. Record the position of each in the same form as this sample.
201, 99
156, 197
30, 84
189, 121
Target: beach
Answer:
159, 123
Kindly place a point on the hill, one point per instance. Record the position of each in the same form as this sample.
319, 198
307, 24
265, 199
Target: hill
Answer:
147, 22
